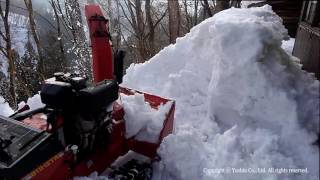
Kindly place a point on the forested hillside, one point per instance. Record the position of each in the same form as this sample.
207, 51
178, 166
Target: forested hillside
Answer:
39, 38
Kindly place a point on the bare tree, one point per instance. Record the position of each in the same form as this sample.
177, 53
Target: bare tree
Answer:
41, 66
225, 4
117, 28
7, 51
187, 16
27, 83
59, 32
70, 15
142, 28
136, 20
174, 20
206, 8
191, 13
152, 26
235, 3
221, 5
195, 14
110, 5
74, 16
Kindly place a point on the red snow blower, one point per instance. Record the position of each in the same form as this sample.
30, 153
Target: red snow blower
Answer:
81, 128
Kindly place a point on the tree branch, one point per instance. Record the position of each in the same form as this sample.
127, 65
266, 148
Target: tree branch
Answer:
6, 13
125, 15
128, 29
133, 20
157, 22
160, 19
3, 36
3, 51
1, 12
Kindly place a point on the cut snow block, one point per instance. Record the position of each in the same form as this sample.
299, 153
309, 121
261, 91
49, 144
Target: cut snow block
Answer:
149, 148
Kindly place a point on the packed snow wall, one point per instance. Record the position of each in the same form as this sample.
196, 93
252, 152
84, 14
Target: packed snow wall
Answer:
245, 109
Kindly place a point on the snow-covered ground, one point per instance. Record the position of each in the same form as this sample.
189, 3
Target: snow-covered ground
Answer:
244, 109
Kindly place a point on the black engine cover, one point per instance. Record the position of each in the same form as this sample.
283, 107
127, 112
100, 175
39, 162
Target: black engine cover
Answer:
70, 94
97, 97
57, 95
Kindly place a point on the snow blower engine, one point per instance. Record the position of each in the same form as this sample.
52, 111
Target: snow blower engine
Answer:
81, 127
86, 107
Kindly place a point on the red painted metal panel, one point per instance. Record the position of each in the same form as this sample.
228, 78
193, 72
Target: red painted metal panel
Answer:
55, 168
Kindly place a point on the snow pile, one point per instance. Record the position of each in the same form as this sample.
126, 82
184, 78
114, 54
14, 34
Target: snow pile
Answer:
241, 102
288, 45
5, 109
141, 120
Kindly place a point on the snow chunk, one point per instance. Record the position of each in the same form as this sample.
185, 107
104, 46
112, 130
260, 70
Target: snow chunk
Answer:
92, 176
33, 102
288, 45
5, 109
241, 100
141, 120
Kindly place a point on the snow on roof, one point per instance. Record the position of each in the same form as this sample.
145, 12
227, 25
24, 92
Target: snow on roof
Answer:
241, 101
